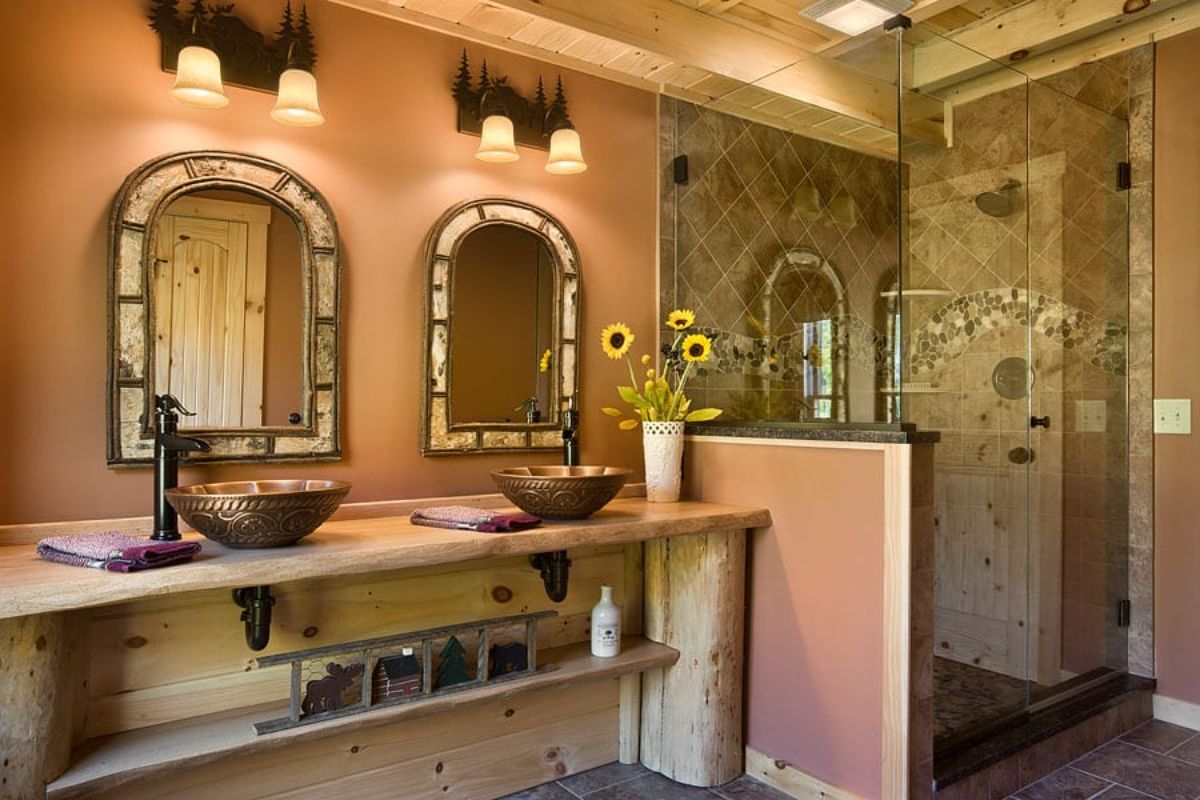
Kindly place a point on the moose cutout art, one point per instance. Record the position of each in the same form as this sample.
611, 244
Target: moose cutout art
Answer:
325, 694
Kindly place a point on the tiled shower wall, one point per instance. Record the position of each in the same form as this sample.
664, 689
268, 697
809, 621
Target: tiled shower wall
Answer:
772, 230
978, 293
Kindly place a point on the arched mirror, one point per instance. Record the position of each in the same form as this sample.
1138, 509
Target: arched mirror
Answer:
223, 292
502, 320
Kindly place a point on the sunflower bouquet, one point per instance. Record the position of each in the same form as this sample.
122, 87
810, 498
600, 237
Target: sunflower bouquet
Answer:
661, 396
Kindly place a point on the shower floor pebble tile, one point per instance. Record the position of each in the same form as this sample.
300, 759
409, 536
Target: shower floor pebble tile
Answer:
633, 782
1154, 760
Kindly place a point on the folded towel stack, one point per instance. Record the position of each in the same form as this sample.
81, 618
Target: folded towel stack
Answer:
115, 551
465, 518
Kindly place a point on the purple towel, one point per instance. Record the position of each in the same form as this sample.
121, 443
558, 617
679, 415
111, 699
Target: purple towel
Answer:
465, 518
115, 551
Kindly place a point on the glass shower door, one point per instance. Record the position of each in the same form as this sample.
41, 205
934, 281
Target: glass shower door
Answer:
1077, 303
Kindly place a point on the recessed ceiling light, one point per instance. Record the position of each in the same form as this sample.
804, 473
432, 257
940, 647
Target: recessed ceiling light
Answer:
853, 17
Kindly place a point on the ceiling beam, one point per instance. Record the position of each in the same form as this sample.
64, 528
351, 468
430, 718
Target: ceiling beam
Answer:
683, 36
1033, 28
1140, 31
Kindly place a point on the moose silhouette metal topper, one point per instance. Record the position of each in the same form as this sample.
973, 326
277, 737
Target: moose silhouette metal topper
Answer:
249, 59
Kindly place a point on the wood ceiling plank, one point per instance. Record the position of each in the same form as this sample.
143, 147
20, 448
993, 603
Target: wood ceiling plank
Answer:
595, 49
681, 35
384, 8
547, 35
494, 20
1033, 26
1138, 32
638, 62
449, 10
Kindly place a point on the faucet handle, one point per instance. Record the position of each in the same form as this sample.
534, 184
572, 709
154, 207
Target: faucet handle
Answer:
169, 403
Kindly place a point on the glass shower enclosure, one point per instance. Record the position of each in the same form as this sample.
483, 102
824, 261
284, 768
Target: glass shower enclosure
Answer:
965, 271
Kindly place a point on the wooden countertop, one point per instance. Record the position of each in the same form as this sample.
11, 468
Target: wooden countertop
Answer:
31, 585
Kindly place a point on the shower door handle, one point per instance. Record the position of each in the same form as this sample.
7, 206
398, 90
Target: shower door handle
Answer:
1039, 422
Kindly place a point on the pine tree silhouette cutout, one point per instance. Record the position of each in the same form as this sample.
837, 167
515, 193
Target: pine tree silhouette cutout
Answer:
287, 28
306, 49
164, 16
197, 12
453, 666
539, 103
559, 106
462, 81
485, 80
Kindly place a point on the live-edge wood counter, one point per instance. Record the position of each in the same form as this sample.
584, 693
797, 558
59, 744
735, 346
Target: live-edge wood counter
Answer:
146, 676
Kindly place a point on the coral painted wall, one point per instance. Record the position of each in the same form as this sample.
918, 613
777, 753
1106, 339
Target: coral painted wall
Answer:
85, 103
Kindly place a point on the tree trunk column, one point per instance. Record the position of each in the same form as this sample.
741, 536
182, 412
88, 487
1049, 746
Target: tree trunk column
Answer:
35, 712
692, 712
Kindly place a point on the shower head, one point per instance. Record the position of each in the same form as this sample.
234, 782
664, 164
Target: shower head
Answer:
1001, 202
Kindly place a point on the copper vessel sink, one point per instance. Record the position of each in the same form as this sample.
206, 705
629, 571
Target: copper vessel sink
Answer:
247, 514
561, 492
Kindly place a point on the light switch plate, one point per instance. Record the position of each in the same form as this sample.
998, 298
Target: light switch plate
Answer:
1173, 416
1091, 416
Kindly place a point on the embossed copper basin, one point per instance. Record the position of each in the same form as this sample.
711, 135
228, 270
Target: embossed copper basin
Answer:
247, 514
561, 492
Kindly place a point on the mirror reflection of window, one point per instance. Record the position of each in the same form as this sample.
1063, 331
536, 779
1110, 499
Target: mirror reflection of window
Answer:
228, 308
503, 311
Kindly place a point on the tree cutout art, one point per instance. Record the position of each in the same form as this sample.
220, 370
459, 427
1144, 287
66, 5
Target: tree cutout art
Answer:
164, 17
462, 80
453, 667
306, 49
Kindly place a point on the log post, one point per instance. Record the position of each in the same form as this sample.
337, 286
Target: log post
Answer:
692, 712
36, 692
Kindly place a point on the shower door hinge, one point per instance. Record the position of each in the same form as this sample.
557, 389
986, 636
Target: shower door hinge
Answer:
1123, 610
679, 169
1124, 175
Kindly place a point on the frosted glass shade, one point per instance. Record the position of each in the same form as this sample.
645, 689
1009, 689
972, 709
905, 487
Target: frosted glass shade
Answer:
497, 144
844, 211
198, 78
297, 101
566, 153
808, 201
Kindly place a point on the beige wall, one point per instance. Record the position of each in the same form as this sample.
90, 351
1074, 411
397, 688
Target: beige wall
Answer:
1177, 373
85, 103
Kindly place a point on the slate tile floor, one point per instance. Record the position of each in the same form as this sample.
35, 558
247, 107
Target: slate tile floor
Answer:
1154, 760
632, 782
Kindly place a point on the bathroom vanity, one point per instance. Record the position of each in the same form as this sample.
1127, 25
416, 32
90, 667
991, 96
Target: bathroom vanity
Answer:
141, 685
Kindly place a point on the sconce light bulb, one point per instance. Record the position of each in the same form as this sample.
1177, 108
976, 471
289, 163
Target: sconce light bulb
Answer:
297, 102
497, 144
198, 78
566, 153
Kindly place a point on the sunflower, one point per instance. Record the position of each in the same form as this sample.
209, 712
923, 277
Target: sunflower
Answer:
616, 340
544, 362
681, 319
697, 347
813, 356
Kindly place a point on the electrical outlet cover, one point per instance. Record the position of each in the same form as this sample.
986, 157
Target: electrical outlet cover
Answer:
1173, 416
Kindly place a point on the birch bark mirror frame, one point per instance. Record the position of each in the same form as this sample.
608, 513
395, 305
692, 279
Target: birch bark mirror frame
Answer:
201, 185
462, 259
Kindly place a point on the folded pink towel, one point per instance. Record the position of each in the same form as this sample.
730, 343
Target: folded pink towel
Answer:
465, 518
115, 551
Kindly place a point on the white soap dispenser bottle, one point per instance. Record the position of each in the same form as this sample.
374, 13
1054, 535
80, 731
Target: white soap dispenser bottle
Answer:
606, 626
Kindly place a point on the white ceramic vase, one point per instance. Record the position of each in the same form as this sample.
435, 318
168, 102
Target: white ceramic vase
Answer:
662, 444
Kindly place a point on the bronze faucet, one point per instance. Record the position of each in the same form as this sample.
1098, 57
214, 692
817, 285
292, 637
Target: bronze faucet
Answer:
167, 447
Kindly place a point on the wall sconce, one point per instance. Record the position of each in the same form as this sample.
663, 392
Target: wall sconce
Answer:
213, 48
497, 142
198, 74
502, 119
297, 101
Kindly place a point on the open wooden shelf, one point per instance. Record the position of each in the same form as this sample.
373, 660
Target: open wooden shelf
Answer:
110, 761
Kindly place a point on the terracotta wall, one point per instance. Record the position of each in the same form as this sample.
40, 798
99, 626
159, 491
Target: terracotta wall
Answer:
814, 661
1177, 373
85, 103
